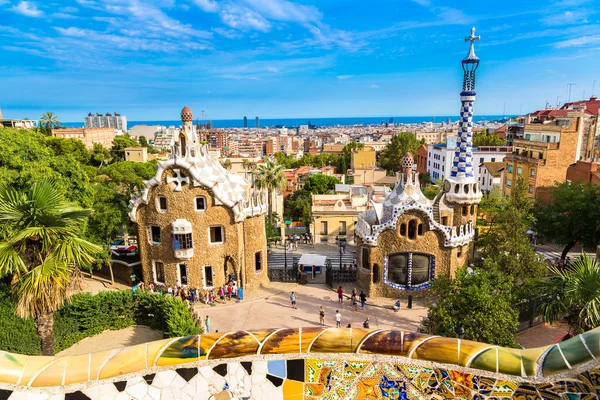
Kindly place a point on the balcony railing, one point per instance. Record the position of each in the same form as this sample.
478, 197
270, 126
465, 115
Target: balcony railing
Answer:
526, 159
184, 254
535, 145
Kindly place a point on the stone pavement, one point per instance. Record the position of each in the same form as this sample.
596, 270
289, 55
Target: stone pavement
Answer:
275, 312
542, 335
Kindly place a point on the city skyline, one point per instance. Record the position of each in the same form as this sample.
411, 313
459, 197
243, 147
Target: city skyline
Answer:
283, 59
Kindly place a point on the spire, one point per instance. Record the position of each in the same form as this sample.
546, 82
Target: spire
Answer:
470, 64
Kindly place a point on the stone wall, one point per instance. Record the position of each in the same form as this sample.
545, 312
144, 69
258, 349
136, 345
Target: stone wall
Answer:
310, 363
255, 241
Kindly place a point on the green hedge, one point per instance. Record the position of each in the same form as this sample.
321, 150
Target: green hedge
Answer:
88, 315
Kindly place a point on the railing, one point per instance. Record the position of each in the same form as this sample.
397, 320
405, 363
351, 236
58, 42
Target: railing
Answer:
528, 316
283, 274
335, 275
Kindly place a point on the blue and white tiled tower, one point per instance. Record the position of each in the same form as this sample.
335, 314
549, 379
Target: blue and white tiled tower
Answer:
461, 187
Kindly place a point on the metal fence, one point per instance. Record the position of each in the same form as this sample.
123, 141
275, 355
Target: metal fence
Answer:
333, 275
283, 274
528, 317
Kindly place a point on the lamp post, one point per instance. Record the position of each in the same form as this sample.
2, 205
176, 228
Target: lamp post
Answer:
340, 244
285, 253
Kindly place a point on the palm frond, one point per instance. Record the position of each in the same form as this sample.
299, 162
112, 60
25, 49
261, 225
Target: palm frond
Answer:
10, 260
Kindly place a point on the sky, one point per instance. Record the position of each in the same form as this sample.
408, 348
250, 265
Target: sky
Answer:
146, 59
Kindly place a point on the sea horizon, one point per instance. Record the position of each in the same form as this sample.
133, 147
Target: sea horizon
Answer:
323, 122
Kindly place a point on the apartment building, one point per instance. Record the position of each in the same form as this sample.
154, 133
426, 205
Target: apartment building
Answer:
88, 136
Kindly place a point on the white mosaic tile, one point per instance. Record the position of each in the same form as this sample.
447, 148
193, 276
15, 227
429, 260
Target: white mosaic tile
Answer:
154, 393
138, 390
18, 396
164, 378
60, 396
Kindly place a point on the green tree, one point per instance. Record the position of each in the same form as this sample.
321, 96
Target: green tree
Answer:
143, 141
480, 301
573, 294
485, 138
49, 120
73, 147
491, 205
320, 184
41, 250
571, 215
297, 207
394, 152
119, 144
100, 155
506, 244
270, 176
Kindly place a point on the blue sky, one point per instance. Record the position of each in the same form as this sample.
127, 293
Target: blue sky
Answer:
281, 58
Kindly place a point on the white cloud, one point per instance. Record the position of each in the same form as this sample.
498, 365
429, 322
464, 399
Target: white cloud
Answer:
243, 18
228, 33
27, 8
577, 42
373, 86
566, 18
208, 5
69, 10
273, 69
62, 15
283, 10
344, 77
424, 3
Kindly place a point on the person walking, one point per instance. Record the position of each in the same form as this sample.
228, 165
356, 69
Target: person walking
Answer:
340, 293
222, 294
353, 301
322, 316
293, 300
207, 324
338, 319
363, 300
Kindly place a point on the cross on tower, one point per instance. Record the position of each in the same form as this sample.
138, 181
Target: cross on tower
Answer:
178, 179
472, 38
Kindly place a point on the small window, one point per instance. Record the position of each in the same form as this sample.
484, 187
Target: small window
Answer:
465, 211
182, 241
459, 252
519, 171
258, 261
162, 203
493, 159
375, 273
510, 169
159, 272
530, 189
420, 230
200, 203
532, 172
208, 276
472, 210
412, 229
365, 258
508, 183
445, 221
403, 230
183, 274
155, 234
217, 234
342, 227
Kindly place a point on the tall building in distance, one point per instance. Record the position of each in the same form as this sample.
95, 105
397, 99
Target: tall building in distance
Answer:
245, 122
109, 120
257, 122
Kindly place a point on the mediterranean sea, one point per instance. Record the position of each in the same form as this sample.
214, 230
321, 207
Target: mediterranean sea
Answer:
294, 122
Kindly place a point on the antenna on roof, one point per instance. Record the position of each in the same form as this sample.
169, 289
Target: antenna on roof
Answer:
569, 86
593, 87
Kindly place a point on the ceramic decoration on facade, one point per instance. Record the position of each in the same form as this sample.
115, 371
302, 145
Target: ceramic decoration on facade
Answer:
406, 223
311, 363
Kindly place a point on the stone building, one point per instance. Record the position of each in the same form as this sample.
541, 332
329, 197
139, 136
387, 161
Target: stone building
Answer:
88, 136
197, 222
407, 241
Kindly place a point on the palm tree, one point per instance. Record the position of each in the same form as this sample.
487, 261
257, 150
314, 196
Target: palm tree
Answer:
573, 294
270, 176
49, 120
41, 249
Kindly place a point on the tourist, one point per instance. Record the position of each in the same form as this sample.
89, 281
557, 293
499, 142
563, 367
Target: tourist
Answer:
207, 324
222, 293
170, 291
314, 271
366, 324
322, 316
338, 319
363, 300
397, 306
349, 326
340, 293
234, 292
229, 292
353, 301
293, 300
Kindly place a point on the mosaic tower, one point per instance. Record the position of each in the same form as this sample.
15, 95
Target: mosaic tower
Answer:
461, 186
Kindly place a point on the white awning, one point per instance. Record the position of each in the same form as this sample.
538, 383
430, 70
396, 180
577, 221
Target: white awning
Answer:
312, 259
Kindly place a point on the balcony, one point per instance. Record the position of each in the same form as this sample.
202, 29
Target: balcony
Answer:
524, 159
530, 144
184, 254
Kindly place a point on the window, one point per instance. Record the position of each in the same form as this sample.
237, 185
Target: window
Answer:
162, 203
493, 159
208, 276
472, 210
365, 258
420, 230
412, 229
155, 234
342, 227
323, 227
409, 270
200, 203
403, 229
532, 172
375, 273
510, 169
183, 278
464, 211
159, 272
217, 234
258, 261
445, 221
519, 171
480, 160
182, 241
508, 183
530, 189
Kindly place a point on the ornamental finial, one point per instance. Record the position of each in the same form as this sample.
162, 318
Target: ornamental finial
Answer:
472, 39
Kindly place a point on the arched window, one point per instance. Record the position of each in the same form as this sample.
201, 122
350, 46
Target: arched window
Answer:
409, 271
420, 229
403, 230
375, 273
465, 211
472, 210
365, 258
412, 229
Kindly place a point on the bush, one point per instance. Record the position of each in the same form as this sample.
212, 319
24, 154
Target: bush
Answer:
88, 315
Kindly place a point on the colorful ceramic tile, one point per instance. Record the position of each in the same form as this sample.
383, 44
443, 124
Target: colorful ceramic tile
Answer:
554, 362
293, 390
282, 342
11, 367
530, 359
236, 344
384, 342
575, 351
443, 350
52, 375
308, 336
180, 351
78, 369
277, 368
35, 364
509, 361
333, 340
127, 360
487, 360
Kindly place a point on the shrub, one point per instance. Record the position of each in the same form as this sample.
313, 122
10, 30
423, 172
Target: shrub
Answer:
88, 315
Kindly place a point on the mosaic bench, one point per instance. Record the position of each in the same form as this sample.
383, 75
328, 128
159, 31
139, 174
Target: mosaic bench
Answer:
310, 363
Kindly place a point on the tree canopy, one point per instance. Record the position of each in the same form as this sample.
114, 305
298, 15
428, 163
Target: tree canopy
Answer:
394, 152
485, 138
570, 215
320, 184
